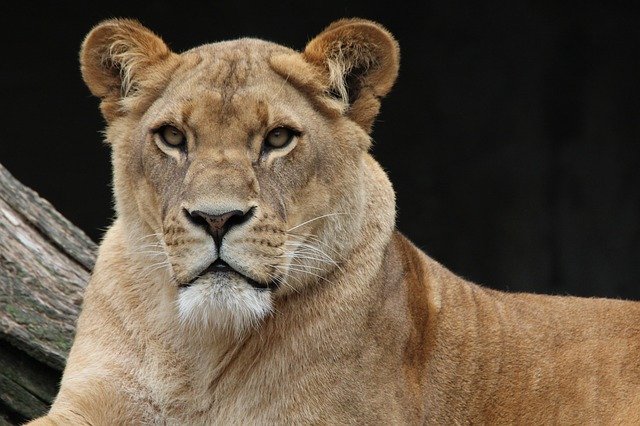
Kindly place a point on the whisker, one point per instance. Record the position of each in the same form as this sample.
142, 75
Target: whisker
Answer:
296, 279
300, 247
150, 252
308, 266
316, 239
317, 259
297, 256
293, 268
152, 268
157, 235
309, 239
310, 250
316, 218
150, 245
163, 263
281, 281
286, 276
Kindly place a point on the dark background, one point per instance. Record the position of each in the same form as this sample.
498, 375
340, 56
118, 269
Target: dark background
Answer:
512, 135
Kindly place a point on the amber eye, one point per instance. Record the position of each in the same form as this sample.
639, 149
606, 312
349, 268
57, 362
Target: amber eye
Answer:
279, 137
172, 136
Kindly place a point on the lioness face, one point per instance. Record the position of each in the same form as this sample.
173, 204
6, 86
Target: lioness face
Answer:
244, 141
225, 164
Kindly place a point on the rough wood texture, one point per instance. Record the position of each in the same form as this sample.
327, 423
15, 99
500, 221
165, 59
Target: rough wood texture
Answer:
45, 262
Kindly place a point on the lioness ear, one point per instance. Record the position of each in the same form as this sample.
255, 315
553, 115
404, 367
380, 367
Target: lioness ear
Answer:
360, 60
118, 58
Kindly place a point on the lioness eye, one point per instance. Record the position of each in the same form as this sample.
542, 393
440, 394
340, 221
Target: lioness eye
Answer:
279, 137
172, 136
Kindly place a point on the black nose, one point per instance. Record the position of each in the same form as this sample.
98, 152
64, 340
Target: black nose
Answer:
218, 224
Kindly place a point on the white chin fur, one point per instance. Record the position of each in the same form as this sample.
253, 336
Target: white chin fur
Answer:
228, 304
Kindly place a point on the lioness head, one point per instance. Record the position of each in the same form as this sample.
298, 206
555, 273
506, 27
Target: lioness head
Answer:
239, 165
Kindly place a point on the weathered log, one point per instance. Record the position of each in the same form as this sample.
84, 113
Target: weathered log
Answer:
45, 263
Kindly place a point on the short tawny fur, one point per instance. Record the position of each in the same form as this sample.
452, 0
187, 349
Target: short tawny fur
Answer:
364, 327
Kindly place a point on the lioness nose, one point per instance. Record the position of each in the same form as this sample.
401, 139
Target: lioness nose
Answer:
218, 224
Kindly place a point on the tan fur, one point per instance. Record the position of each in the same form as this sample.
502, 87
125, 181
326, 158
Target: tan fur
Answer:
364, 328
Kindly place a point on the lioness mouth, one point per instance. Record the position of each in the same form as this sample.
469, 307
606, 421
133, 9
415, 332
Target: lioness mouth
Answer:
222, 267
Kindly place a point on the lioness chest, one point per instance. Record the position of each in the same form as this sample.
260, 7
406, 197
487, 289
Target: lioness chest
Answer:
280, 387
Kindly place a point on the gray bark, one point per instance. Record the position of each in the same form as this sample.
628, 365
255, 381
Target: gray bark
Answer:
45, 263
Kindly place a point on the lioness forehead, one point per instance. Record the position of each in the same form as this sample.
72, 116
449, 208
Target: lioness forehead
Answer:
224, 80
229, 66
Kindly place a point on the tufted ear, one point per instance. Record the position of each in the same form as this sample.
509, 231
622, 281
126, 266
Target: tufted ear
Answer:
120, 58
359, 60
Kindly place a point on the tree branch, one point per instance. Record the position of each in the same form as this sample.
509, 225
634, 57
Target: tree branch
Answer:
45, 263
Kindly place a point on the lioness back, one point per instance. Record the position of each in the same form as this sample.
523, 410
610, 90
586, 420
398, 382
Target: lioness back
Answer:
254, 274
526, 358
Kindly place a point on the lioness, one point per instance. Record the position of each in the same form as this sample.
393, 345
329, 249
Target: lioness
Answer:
253, 274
